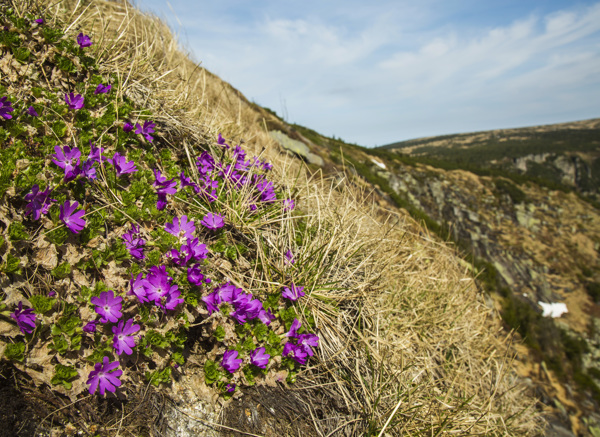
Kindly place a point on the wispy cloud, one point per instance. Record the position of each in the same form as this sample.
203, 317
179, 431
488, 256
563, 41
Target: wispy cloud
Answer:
395, 70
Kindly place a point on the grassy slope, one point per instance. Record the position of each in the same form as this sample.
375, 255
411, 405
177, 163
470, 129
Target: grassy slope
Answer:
562, 352
406, 342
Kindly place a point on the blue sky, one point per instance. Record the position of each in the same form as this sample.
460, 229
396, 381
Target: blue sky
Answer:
392, 70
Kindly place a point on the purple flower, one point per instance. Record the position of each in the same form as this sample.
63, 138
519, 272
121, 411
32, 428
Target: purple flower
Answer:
289, 258
181, 228
108, 306
83, 40
212, 221
266, 189
293, 293
230, 388
266, 316
25, 319
187, 182
133, 243
90, 326
123, 339
253, 309
296, 352
164, 187
306, 341
127, 127
220, 139
205, 163
51, 293
74, 101
39, 202
31, 111
137, 287
181, 256
146, 130
102, 377
171, 299
159, 288
212, 301
288, 204
71, 219
199, 251
195, 276
161, 201
87, 170
293, 332
229, 293
122, 166
96, 154
5, 108
259, 358
68, 159
267, 166
102, 89
230, 361
39, 20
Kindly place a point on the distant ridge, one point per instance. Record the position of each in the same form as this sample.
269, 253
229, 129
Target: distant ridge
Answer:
593, 123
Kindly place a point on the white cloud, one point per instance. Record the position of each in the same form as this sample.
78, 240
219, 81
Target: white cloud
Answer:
382, 73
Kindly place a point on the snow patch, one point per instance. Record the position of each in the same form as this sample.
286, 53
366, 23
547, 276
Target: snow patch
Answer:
378, 164
553, 310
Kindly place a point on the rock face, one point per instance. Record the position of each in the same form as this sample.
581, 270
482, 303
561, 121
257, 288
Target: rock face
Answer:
297, 147
542, 247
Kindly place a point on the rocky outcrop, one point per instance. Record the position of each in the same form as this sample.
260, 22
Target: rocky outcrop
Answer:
297, 147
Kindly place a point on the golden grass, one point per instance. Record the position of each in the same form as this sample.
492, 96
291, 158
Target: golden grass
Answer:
407, 344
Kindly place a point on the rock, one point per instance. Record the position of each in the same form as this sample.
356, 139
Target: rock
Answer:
297, 147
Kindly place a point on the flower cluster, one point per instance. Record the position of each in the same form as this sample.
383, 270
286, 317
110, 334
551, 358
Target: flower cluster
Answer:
167, 275
25, 319
133, 242
302, 348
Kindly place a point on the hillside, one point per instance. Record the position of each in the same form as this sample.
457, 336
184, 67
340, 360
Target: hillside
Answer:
529, 240
560, 156
169, 269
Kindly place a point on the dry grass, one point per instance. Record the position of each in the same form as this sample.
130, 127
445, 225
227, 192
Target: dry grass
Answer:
408, 347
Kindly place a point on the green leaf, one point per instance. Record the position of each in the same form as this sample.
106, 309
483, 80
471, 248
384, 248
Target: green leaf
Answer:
158, 377
211, 372
218, 247
42, 304
65, 64
63, 375
61, 271
231, 253
155, 339
220, 333
273, 339
15, 351
272, 301
69, 325
248, 345
260, 331
287, 315
21, 54
249, 373
60, 128
58, 236
98, 355
178, 358
59, 344
11, 265
16, 232
153, 258
51, 35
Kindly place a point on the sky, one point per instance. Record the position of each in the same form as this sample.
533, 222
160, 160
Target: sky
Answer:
373, 73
